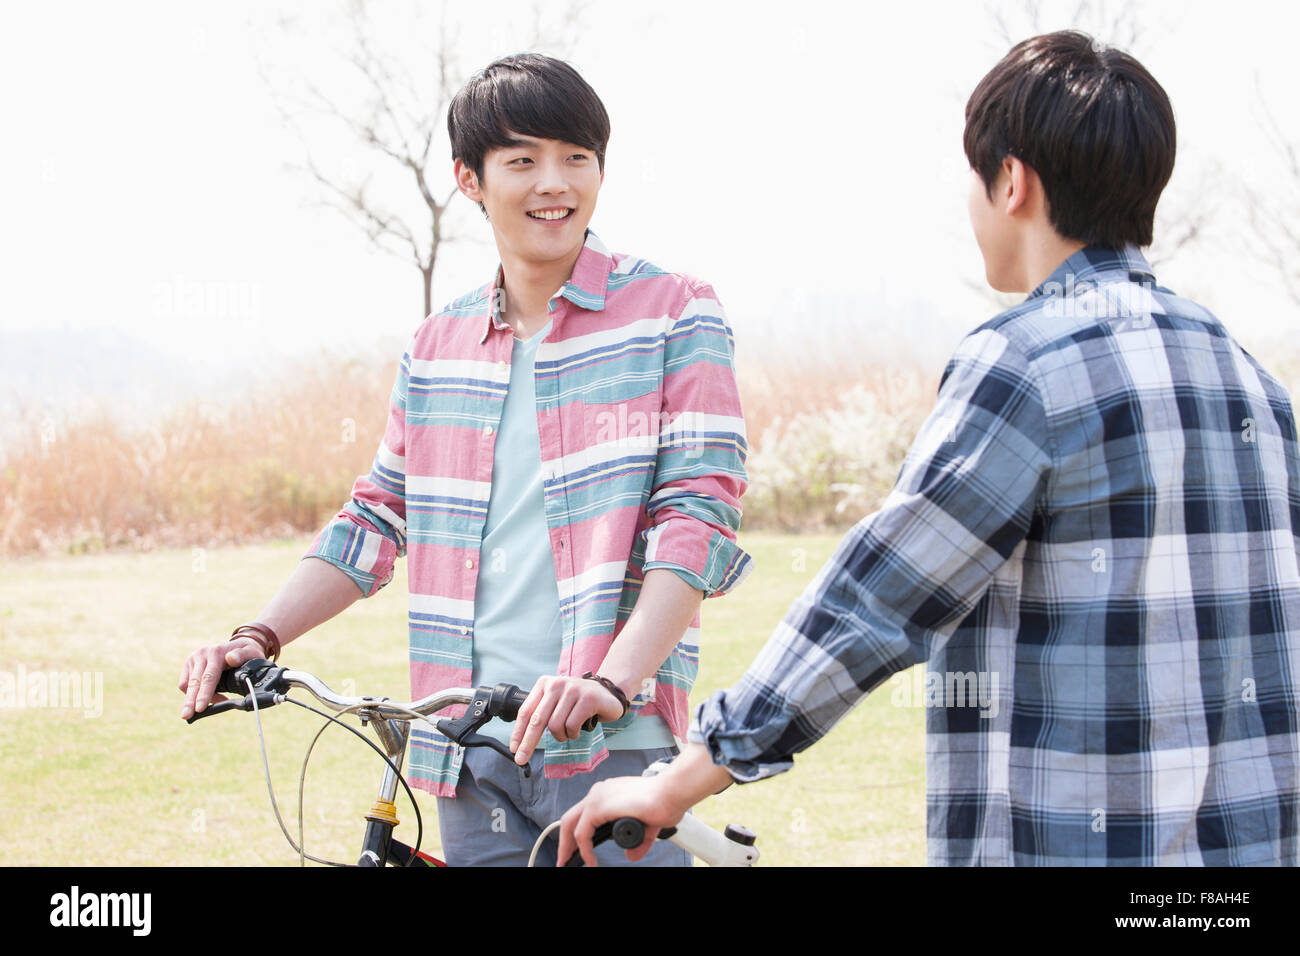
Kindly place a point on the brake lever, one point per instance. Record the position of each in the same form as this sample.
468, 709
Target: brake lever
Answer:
478, 740
479, 712
264, 699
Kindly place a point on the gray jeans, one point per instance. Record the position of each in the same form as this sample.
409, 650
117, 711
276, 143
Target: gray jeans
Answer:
498, 813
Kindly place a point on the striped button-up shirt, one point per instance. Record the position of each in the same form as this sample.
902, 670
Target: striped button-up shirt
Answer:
1092, 551
643, 464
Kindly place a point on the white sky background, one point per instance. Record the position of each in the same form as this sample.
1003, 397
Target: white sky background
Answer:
804, 158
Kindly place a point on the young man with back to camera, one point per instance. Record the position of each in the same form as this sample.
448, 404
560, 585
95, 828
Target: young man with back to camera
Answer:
1101, 512
563, 461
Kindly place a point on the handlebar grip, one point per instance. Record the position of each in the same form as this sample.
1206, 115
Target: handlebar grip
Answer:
513, 702
627, 832
506, 700
232, 681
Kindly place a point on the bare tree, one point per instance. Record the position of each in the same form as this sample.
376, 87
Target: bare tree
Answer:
392, 103
1274, 212
1116, 24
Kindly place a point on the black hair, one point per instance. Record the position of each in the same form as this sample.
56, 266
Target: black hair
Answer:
1092, 123
529, 94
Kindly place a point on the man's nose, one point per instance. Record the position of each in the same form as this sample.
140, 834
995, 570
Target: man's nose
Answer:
553, 178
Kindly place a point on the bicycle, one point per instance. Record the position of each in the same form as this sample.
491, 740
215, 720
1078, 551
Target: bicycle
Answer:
263, 684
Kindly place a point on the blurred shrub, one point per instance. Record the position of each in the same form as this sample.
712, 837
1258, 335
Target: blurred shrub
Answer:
824, 468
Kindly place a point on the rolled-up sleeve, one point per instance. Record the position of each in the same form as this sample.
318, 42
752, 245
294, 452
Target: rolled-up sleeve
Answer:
694, 507
905, 577
365, 539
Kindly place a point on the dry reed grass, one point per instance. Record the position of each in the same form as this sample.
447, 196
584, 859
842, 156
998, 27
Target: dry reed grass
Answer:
826, 441
277, 461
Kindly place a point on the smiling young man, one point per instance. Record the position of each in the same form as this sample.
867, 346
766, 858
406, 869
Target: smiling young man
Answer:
616, 476
1097, 533
562, 466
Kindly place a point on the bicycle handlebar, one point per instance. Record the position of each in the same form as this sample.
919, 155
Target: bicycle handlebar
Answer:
271, 682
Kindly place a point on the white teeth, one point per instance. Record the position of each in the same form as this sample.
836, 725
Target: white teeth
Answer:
550, 213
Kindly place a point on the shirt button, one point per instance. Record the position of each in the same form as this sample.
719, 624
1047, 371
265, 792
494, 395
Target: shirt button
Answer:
464, 629
488, 429
469, 562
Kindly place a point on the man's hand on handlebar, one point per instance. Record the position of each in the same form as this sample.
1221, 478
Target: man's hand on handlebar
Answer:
659, 801
561, 705
645, 798
202, 670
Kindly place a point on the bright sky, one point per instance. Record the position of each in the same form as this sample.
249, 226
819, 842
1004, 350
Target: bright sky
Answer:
804, 158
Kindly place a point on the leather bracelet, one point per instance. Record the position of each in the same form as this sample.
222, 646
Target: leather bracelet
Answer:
271, 648
614, 689
256, 638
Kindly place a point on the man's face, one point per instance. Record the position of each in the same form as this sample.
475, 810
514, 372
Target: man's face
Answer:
993, 231
539, 196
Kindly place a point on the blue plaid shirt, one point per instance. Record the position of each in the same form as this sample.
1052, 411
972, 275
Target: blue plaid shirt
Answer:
1092, 550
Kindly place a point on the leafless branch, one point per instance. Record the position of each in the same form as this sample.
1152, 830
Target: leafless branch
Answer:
358, 208
1273, 212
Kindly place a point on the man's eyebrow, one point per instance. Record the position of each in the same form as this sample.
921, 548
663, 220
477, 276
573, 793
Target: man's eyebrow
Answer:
516, 140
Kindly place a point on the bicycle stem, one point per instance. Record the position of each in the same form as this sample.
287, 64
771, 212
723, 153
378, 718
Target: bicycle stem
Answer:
381, 819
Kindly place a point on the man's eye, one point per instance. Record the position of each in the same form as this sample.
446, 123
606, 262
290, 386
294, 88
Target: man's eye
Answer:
520, 159
579, 156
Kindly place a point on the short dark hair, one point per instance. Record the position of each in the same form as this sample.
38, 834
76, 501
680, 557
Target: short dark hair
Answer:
1092, 123
530, 94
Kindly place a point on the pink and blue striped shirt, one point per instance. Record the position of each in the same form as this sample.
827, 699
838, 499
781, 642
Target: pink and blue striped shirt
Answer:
643, 461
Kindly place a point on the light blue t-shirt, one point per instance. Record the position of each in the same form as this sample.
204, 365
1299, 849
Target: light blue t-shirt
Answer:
517, 627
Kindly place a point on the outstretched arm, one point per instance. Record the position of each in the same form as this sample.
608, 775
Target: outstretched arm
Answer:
895, 590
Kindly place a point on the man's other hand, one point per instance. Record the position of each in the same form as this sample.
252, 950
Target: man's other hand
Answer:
645, 798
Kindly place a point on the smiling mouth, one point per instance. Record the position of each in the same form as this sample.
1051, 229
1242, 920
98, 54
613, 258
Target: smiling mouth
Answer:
550, 215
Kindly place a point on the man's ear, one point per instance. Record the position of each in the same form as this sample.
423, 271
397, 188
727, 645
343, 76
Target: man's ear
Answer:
467, 182
1022, 186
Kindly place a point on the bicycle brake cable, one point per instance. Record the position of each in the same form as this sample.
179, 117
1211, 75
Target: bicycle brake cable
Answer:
419, 818
275, 807
532, 857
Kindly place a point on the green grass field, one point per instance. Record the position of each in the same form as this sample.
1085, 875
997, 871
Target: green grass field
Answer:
136, 785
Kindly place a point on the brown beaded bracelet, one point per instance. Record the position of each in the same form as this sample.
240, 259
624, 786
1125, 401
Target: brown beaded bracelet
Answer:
614, 689
271, 648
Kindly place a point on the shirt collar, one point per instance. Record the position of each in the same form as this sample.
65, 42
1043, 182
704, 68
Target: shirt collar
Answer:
585, 286
1090, 263
590, 278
